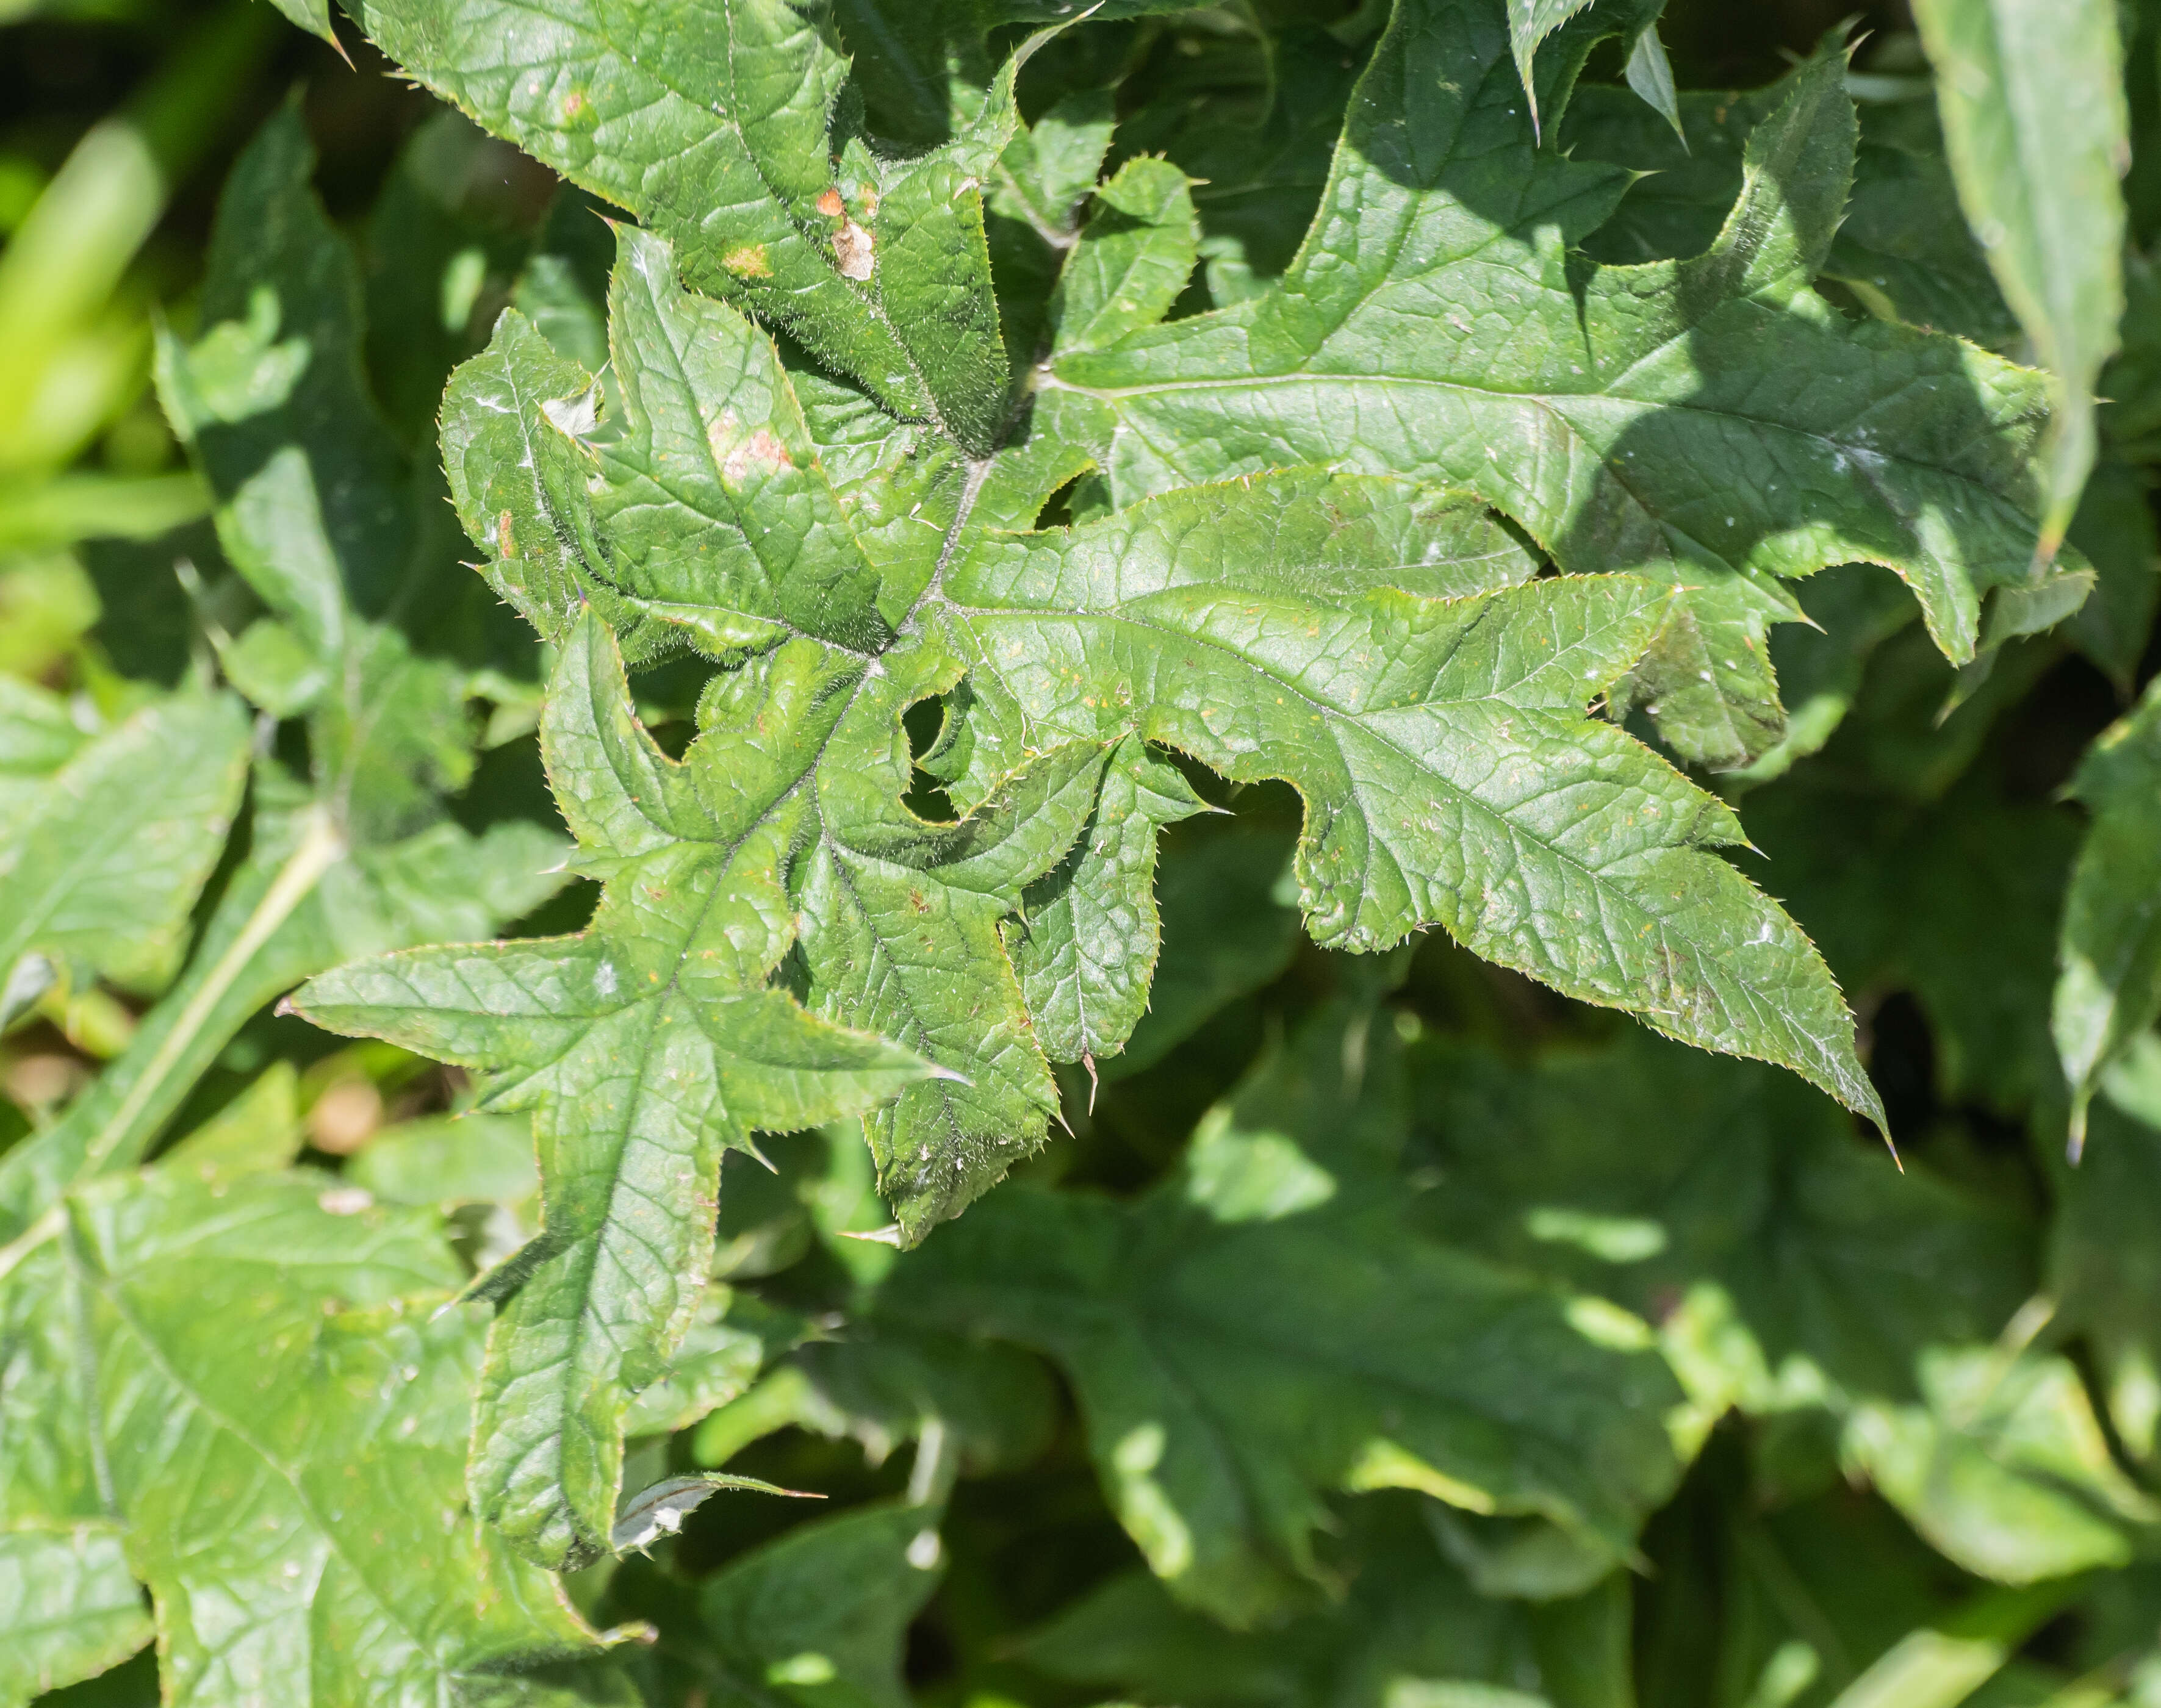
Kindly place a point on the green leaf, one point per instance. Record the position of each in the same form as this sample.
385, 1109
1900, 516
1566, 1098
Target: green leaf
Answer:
257, 1132
1587, 402
819, 1615
1131, 262
1893, 886
719, 1359
471, 1158
1410, 1630
1050, 167
2101, 1268
1650, 74
786, 810
1195, 1342
314, 503
724, 144
1086, 950
271, 400
1229, 927
1792, 1263
519, 483
99, 867
73, 1608
316, 509
661, 1510
37, 737
2003, 1468
2115, 528
1256, 144
2108, 990
300, 902
993, 1408
313, 16
449, 233
2031, 92
1903, 249
1530, 22
646, 1046
1452, 779
262, 1384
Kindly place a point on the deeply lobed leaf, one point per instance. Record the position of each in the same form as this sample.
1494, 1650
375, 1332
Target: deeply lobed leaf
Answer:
792, 928
1433, 326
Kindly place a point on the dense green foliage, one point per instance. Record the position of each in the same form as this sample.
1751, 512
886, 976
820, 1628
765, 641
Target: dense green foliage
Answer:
1184, 740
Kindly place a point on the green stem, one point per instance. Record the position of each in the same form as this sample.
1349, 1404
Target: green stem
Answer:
321, 846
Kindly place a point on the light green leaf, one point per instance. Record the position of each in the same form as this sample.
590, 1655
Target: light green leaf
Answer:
263, 1383
72, 1608
1450, 773
645, 1045
37, 736
1130, 261
1086, 948
2003, 1467
257, 1132
1051, 166
299, 902
2032, 97
1587, 403
2108, 990
1650, 74
471, 1158
716, 129
518, 481
714, 453
99, 867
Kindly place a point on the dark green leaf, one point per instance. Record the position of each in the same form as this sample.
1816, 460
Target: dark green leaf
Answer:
1194, 1329
1609, 389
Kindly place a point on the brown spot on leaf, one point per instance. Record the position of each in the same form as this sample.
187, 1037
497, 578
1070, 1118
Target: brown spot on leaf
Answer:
829, 205
505, 544
749, 262
852, 248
